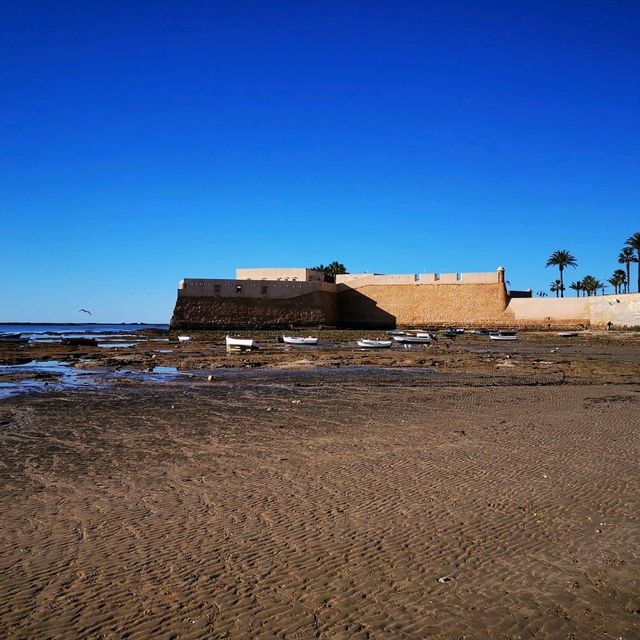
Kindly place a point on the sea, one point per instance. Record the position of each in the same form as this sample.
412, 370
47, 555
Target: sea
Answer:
50, 332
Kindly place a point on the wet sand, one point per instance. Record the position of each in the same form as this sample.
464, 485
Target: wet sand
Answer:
471, 495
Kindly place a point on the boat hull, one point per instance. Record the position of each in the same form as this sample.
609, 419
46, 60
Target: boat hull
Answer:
374, 344
413, 339
240, 343
309, 341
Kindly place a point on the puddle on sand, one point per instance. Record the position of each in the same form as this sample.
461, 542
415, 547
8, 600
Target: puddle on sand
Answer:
59, 375
173, 370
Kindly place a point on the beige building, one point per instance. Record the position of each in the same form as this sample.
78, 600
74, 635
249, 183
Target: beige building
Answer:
293, 274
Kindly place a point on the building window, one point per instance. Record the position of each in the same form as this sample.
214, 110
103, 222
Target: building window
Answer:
264, 289
216, 288
238, 288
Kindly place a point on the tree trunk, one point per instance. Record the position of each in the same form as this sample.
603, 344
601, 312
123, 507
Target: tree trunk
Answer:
562, 282
628, 276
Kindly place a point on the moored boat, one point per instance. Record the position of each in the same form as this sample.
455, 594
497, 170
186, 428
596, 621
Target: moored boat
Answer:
568, 334
184, 338
421, 338
374, 344
504, 335
241, 343
309, 340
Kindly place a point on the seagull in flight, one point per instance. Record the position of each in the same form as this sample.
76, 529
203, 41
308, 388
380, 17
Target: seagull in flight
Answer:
84, 311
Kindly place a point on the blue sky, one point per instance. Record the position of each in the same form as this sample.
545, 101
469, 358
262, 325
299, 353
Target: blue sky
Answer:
143, 142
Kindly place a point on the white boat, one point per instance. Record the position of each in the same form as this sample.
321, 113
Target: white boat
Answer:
183, 338
374, 344
504, 335
241, 343
422, 338
309, 340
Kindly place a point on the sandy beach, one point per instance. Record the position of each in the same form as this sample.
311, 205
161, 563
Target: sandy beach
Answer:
462, 491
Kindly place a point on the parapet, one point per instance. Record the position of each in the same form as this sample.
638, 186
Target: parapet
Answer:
362, 279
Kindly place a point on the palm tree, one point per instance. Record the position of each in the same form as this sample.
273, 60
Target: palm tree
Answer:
556, 287
617, 280
590, 285
634, 242
561, 259
331, 270
626, 257
577, 287
334, 269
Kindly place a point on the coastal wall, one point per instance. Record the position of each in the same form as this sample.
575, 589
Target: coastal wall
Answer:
595, 311
620, 310
230, 304
422, 304
376, 301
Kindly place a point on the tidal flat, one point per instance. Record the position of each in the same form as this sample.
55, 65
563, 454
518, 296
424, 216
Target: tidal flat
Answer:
459, 490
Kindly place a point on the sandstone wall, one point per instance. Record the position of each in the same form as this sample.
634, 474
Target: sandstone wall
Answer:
595, 311
271, 289
389, 301
534, 313
221, 312
620, 310
417, 304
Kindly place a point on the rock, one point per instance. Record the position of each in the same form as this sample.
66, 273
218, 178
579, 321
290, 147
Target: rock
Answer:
210, 378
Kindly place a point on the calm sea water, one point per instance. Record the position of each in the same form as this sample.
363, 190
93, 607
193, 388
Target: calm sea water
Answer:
43, 330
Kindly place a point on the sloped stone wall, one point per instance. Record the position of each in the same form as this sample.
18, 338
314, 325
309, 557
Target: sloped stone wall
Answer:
207, 312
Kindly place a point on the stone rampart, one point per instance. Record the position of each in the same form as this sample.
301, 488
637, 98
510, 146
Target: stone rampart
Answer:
260, 289
226, 312
419, 304
368, 300
595, 311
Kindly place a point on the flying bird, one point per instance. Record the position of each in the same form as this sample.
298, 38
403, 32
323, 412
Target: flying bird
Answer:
84, 311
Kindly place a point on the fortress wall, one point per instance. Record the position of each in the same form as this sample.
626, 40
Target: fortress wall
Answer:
255, 289
221, 312
557, 312
620, 310
423, 305
367, 300
595, 311
361, 279
481, 278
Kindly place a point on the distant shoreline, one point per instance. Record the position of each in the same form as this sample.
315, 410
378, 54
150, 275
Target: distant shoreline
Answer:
103, 324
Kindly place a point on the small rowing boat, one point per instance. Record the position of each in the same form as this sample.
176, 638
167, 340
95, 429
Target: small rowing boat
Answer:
241, 343
568, 334
504, 335
419, 338
374, 344
309, 340
184, 338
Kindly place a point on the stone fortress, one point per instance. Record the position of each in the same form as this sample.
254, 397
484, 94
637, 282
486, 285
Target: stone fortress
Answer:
297, 297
